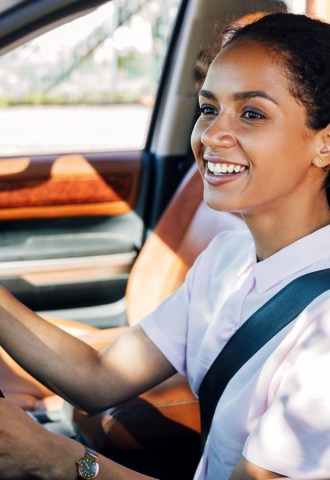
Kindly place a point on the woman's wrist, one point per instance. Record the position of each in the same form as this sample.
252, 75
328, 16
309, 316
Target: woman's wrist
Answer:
59, 461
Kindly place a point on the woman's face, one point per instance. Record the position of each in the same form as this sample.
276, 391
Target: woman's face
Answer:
251, 142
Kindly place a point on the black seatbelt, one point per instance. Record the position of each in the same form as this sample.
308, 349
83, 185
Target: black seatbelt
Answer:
266, 322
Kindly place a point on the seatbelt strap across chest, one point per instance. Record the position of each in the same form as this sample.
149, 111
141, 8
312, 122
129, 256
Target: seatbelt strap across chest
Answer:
255, 332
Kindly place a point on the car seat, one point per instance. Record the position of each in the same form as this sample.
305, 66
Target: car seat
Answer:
163, 423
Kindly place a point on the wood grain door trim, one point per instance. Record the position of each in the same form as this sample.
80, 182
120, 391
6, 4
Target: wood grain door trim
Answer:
69, 185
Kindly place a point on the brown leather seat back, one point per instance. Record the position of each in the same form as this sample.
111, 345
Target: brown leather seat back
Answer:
184, 230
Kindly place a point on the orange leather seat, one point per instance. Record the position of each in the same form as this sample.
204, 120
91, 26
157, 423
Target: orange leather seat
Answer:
127, 432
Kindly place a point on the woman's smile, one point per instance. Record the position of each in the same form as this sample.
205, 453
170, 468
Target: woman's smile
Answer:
220, 172
219, 169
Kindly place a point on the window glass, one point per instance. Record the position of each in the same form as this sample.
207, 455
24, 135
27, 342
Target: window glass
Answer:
88, 85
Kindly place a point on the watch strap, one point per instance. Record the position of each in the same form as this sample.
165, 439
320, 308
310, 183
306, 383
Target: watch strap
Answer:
91, 453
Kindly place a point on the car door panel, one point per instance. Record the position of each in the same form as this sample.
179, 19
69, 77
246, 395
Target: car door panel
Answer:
71, 228
69, 185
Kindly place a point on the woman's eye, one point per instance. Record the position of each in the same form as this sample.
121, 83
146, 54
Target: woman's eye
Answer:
206, 110
252, 115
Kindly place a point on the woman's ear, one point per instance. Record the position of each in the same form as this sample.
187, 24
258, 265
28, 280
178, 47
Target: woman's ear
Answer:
322, 159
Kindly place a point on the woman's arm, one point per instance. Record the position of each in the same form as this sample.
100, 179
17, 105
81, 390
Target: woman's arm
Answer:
87, 378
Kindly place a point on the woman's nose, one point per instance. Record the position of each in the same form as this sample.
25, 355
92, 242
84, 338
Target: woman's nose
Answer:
219, 133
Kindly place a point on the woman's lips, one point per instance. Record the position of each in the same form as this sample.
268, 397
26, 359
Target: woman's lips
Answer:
219, 173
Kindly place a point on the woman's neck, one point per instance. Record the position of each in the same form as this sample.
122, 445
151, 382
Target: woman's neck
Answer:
273, 232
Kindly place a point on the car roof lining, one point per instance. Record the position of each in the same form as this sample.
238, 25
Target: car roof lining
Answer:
28, 19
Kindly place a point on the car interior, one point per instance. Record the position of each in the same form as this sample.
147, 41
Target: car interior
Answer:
94, 240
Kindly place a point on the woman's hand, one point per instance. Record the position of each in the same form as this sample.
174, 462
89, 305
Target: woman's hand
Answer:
28, 450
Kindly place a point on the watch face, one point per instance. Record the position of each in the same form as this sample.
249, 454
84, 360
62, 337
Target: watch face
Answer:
88, 468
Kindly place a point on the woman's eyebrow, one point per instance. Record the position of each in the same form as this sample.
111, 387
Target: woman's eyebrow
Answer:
206, 94
252, 94
239, 95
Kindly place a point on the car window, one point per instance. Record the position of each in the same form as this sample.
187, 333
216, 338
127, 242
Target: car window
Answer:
88, 85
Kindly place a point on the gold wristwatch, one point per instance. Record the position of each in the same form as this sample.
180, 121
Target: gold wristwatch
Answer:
88, 466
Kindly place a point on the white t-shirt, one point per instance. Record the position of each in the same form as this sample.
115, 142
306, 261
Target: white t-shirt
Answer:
276, 409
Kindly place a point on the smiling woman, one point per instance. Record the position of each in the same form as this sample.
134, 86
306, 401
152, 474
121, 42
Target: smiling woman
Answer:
248, 118
262, 146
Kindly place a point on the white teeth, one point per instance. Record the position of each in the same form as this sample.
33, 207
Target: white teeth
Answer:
223, 168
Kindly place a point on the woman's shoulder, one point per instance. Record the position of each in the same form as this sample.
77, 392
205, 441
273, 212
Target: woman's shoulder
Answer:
227, 250
231, 239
